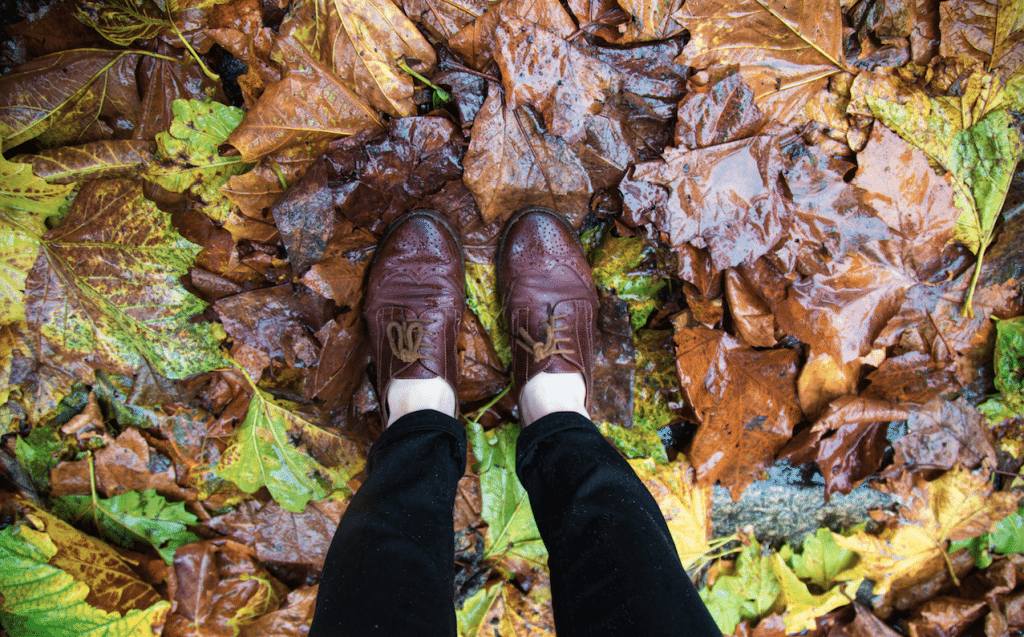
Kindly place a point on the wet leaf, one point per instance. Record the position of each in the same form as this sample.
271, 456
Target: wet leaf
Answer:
343, 359
623, 265
277, 320
785, 52
190, 155
218, 588
482, 299
37, 454
1006, 538
262, 454
943, 434
685, 505
749, 591
124, 21
651, 20
719, 108
991, 33
366, 40
305, 217
444, 19
476, 42
1009, 356
512, 536
67, 97
163, 81
803, 607
821, 559
264, 185
292, 620
482, 372
308, 105
955, 506
113, 249
111, 158
655, 391
132, 519
58, 581
691, 196
511, 163
505, 609
533, 60
745, 400
25, 203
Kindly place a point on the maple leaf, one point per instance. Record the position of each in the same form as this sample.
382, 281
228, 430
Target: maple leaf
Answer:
685, 505
955, 506
505, 609
991, 33
476, 41
107, 158
748, 591
802, 606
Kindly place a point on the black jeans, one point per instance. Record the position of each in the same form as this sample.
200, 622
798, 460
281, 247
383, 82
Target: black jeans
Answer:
614, 567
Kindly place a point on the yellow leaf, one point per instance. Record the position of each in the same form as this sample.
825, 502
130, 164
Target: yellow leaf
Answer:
685, 505
802, 607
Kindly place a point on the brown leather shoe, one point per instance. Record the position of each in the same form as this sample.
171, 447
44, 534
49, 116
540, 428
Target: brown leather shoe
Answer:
415, 296
548, 295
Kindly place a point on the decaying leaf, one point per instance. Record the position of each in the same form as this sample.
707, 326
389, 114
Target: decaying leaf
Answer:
109, 158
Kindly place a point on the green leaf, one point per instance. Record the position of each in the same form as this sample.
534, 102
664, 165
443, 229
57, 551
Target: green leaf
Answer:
802, 607
37, 453
25, 203
482, 298
619, 266
821, 559
40, 599
1009, 355
106, 289
512, 532
474, 610
1007, 538
191, 159
132, 518
262, 454
655, 387
1002, 408
749, 592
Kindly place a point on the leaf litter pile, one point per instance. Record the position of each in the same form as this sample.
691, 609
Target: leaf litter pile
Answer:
804, 220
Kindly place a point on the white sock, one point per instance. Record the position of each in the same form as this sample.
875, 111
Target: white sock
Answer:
406, 395
547, 393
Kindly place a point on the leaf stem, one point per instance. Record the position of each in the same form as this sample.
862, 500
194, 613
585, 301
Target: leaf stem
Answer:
967, 311
786, 23
210, 74
479, 413
442, 94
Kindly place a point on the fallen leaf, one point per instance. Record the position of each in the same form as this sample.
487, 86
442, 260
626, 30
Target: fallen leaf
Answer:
803, 607
38, 101
719, 107
164, 80
511, 163
482, 373
822, 380
625, 266
476, 41
990, 33
343, 359
944, 434
308, 105
305, 217
685, 505
691, 196
752, 317
651, 20
291, 620
260, 188
749, 590
110, 158
275, 320
507, 610
739, 434
262, 454
444, 19
821, 560
365, 42
111, 250
531, 60
59, 581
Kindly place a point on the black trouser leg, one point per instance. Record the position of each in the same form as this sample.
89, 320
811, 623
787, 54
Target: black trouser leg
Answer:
614, 567
390, 568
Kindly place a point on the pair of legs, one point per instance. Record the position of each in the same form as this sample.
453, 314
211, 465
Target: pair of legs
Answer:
390, 569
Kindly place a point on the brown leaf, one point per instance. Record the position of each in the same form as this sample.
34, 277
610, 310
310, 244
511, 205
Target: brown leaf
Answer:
865, 624
989, 32
719, 107
599, 17
535, 63
365, 41
942, 435
482, 375
343, 360
276, 320
110, 158
216, 587
912, 377
945, 616
744, 399
54, 28
785, 51
444, 19
262, 187
71, 97
163, 81
475, 43
512, 162
822, 380
692, 196
340, 275
291, 620
614, 366
127, 464
754, 321
308, 105
848, 442
305, 218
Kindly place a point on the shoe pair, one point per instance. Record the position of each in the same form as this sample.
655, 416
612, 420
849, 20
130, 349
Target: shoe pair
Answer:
416, 295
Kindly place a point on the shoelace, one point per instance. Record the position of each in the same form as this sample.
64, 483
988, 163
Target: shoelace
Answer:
406, 338
549, 347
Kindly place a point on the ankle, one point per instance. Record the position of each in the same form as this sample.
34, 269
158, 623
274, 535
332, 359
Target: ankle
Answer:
406, 395
548, 393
